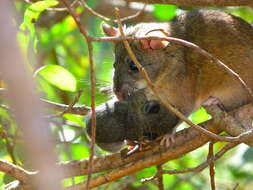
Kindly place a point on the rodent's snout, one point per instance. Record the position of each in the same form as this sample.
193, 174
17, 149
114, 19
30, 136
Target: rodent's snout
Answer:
122, 93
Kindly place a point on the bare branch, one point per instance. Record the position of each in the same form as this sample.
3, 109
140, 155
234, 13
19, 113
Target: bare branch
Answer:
235, 187
186, 141
58, 8
80, 110
93, 12
211, 166
9, 145
70, 107
15, 171
198, 2
160, 177
93, 85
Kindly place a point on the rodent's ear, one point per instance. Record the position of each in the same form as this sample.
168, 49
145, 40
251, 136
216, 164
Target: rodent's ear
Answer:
154, 44
110, 30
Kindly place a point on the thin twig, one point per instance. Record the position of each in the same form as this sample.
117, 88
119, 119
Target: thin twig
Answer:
206, 163
58, 9
211, 165
93, 111
235, 187
83, 2
199, 2
5, 107
80, 110
93, 85
77, 21
9, 145
76, 99
160, 177
68, 108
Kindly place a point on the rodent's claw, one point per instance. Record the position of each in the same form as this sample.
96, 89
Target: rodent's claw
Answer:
167, 140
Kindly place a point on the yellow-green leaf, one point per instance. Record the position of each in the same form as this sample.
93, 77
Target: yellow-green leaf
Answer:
32, 13
58, 76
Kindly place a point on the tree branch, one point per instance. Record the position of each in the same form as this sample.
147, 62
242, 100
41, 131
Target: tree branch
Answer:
198, 2
211, 165
15, 171
88, 40
80, 110
186, 141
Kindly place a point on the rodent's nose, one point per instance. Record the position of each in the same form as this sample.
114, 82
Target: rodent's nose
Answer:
123, 92
119, 95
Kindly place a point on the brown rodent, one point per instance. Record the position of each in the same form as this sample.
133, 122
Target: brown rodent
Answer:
134, 120
182, 76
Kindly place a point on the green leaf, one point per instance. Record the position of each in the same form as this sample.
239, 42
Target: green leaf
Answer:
165, 12
32, 13
200, 116
242, 12
7, 179
58, 76
78, 119
146, 173
79, 151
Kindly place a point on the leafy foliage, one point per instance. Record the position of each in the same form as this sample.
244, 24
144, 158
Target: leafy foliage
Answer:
32, 13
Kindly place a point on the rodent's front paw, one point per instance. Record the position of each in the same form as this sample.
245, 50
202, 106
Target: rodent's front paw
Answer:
167, 140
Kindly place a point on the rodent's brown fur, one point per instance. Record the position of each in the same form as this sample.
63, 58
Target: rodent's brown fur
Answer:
184, 77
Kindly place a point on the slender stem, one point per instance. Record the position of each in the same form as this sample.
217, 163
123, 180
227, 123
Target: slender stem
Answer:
211, 166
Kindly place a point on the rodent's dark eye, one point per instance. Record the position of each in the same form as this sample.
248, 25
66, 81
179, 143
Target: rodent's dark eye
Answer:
151, 107
132, 66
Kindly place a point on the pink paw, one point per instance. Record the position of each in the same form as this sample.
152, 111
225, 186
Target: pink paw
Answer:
213, 101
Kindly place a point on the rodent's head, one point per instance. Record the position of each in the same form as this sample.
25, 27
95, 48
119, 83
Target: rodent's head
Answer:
136, 119
155, 56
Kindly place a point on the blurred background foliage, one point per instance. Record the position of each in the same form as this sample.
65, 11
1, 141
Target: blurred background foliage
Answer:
61, 69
